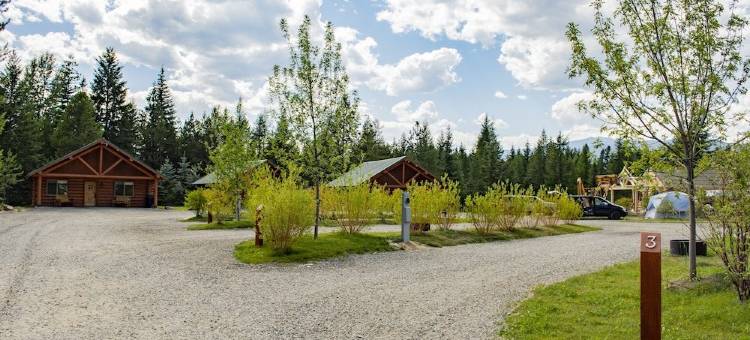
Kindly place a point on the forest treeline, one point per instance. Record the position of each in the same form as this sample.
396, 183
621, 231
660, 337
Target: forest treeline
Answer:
49, 109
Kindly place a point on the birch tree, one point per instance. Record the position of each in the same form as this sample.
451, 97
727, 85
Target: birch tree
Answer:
673, 79
313, 91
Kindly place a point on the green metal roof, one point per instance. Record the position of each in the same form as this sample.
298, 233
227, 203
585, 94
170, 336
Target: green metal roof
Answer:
210, 178
364, 172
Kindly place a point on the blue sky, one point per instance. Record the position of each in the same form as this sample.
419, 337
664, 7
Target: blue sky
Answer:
447, 62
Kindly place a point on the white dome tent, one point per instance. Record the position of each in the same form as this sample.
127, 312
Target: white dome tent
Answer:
680, 204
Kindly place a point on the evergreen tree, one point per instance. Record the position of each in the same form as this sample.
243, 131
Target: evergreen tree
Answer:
282, 150
421, 147
371, 146
486, 158
22, 133
192, 143
446, 162
159, 135
170, 188
77, 127
259, 137
538, 162
109, 92
64, 86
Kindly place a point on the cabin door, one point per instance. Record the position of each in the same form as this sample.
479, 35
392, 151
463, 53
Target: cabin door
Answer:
89, 194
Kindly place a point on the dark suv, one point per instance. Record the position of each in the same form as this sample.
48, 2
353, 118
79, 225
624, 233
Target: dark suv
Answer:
598, 206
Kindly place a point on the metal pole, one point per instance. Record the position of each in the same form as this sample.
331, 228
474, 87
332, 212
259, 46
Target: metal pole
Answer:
405, 217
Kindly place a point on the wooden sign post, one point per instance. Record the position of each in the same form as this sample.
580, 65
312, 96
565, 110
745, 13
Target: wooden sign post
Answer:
650, 286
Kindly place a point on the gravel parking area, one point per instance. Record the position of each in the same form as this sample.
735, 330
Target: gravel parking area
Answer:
135, 273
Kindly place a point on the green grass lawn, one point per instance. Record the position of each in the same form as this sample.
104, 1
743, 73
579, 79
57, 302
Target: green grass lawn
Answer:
444, 238
337, 244
605, 305
241, 224
327, 245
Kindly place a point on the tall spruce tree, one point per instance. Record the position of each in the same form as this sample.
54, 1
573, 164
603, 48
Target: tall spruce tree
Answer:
371, 145
159, 135
108, 92
486, 158
259, 136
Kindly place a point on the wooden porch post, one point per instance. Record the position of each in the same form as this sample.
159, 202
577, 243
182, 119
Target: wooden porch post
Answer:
39, 190
156, 193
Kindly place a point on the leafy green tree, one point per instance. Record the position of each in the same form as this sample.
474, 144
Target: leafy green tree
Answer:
232, 160
674, 81
313, 91
77, 127
159, 133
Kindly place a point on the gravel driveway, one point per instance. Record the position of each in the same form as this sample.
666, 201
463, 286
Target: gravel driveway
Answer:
136, 273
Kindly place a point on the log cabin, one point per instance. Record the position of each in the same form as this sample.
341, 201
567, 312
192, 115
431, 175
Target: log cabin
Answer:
99, 174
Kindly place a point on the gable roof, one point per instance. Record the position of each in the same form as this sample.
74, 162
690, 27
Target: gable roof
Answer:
708, 179
364, 172
210, 178
100, 141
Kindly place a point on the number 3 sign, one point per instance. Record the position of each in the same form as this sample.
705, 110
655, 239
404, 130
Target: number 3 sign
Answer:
651, 242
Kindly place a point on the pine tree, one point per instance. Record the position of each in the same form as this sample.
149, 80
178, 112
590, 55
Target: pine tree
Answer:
77, 127
282, 149
446, 162
109, 92
170, 188
192, 144
371, 146
421, 147
486, 158
259, 136
159, 135
64, 86
21, 135
538, 162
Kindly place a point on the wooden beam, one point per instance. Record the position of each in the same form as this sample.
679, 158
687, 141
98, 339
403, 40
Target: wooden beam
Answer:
39, 190
129, 161
394, 178
98, 176
156, 193
87, 165
112, 167
101, 158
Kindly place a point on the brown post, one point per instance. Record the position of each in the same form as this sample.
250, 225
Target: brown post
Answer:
39, 190
258, 218
650, 286
156, 193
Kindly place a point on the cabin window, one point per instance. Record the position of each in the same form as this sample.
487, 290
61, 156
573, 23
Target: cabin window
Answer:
57, 187
124, 189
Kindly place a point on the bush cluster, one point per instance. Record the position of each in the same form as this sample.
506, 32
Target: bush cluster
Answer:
197, 200
352, 208
287, 209
432, 203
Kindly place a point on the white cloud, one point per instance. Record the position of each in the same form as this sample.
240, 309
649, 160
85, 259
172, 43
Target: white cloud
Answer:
500, 94
522, 97
581, 131
415, 73
214, 51
566, 109
424, 112
534, 49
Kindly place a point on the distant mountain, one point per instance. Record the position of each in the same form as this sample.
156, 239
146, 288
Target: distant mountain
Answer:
592, 141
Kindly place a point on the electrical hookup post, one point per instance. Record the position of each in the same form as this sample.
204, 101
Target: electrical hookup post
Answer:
650, 286
405, 217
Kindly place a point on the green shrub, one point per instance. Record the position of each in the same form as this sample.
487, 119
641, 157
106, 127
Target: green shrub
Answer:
287, 212
484, 211
196, 200
546, 209
568, 210
435, 203
354, 207
219, 202
625, 202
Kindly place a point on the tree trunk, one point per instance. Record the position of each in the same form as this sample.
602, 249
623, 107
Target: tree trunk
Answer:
317, 209
691, 196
